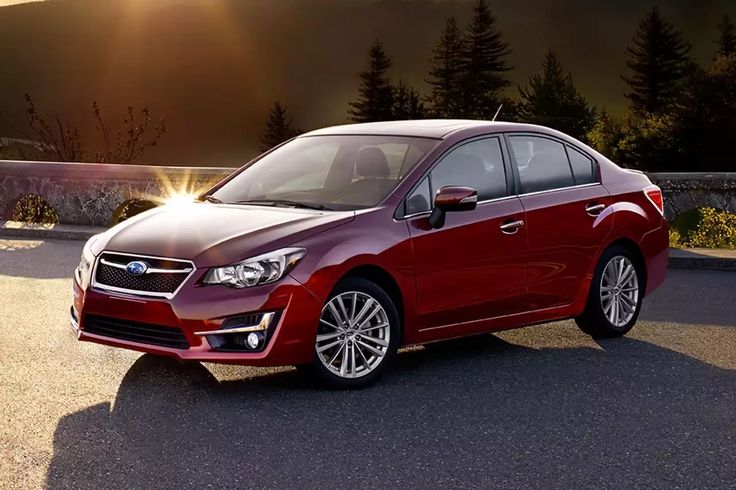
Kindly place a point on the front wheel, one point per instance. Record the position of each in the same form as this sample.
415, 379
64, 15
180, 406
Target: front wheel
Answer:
358, 335
615, 296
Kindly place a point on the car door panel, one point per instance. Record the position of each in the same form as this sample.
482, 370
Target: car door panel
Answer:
470, 269
563, 240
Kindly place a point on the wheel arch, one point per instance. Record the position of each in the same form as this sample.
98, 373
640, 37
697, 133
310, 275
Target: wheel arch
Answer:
635, 249
382, 278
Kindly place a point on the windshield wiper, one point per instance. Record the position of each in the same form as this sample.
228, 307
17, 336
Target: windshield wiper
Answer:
285, 202
209, 198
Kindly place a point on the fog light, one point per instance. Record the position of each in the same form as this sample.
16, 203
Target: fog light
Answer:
253, 340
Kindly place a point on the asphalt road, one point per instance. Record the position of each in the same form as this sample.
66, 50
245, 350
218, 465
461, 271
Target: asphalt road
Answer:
543, 406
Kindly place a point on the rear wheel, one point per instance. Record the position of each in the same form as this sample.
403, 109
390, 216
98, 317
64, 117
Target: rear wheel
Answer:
615, 296
358, 335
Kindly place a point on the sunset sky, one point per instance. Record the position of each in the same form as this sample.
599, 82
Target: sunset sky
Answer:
213, 68
3, 3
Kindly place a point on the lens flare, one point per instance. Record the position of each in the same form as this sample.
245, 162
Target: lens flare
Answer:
180, 199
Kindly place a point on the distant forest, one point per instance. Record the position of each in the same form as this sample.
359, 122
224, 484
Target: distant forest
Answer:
652, 88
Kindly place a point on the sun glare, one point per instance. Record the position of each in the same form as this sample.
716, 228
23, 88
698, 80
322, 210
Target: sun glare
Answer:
180, 200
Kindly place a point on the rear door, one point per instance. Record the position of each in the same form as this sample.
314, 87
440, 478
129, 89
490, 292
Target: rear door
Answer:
469, 269
559, 188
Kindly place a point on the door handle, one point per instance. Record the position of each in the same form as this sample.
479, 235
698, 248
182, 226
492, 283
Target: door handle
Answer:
511, 227
594, 209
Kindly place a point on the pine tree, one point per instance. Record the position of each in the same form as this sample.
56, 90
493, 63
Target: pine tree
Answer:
659, 61
552, 100
726, 42
374, 101
484, 65
279, 127
445, 73
407, 103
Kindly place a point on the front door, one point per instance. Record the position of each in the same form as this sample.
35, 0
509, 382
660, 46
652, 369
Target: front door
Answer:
474, 267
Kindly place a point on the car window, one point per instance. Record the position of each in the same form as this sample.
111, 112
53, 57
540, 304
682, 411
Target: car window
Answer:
542, 163
341, 172
478, 164
583, 167
418, 201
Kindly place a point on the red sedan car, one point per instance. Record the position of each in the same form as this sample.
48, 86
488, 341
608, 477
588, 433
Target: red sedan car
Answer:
342, 245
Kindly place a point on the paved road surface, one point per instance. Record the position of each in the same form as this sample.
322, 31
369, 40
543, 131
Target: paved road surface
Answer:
538, 407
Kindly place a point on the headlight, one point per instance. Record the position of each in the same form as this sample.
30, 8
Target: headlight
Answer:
263, 269
86, 261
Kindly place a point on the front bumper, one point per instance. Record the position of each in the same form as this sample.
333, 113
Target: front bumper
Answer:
206, 308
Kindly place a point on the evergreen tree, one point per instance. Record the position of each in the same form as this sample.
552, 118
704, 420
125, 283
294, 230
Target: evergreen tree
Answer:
279, 127
375, 99
658, 61
484, 65
726, 42
407, 103
445, 73
552, 100
705, 120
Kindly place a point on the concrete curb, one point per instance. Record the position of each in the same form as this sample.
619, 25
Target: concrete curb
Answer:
16, 229
702, 259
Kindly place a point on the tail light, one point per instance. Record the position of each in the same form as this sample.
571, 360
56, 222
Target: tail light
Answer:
654, 194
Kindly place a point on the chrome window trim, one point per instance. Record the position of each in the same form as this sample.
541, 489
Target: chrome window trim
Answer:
556, 189
504, 198
495, 199
134, 292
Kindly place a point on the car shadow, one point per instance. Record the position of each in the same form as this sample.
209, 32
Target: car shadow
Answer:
39, 259
475, 412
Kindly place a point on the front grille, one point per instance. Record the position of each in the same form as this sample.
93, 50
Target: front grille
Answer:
143, 333
111, 272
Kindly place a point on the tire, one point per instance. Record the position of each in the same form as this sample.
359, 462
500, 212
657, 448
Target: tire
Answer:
608, 311
347, 353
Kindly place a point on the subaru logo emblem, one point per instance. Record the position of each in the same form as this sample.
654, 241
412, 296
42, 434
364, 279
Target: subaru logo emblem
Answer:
136, 268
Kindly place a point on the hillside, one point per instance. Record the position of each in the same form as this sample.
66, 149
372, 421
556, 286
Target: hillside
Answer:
212, 67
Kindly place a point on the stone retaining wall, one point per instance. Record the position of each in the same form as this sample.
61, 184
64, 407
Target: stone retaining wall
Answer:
90, 193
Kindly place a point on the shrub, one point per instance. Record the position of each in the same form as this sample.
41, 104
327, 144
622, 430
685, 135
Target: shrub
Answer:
715, 229
675, 238
130, 208
34, 209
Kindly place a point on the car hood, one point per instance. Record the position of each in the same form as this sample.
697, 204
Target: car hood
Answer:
216, 234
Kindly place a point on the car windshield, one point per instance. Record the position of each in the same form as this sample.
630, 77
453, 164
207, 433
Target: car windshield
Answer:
337, 172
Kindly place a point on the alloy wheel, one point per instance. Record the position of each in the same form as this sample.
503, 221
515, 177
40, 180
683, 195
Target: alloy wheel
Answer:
353, 336
619, 291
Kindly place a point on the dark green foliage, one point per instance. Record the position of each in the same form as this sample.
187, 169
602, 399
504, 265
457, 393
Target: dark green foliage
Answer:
407, 103
726, 42
375, 94
130, 208
658, 61
484, 65
552, 100
648, 143
705, 120
704, 227
279, 127
34, 209
445, 72
605, 135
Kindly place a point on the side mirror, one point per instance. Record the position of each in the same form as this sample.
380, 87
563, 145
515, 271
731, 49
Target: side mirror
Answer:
452, 199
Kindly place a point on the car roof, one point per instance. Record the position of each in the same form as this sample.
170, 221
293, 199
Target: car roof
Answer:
424, 128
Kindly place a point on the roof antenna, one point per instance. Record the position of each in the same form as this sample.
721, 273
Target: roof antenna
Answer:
497, 112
